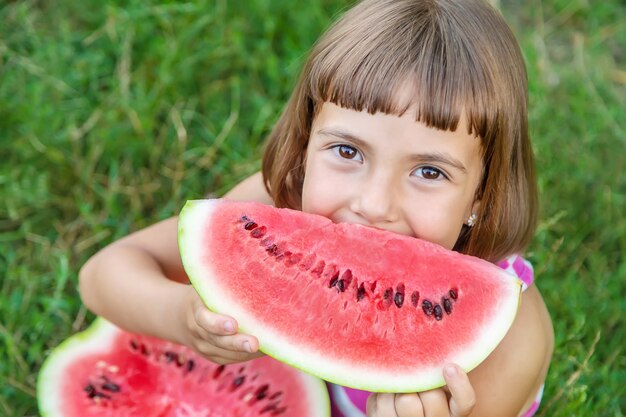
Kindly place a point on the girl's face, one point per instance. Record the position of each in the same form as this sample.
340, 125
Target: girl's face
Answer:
392, 173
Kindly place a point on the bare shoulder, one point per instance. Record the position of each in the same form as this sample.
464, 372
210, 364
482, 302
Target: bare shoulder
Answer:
251, 189
507, 382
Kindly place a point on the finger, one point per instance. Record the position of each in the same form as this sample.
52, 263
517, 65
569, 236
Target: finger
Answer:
234, 342
381, 405
215, 323
239, 342
435, 403
408, 405
462, 398
223, 356
371, 405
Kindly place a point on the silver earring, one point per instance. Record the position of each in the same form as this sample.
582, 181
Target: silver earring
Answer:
471, 221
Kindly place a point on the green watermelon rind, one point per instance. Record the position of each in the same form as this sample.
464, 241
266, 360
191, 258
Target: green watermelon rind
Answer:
98, 338
193, 218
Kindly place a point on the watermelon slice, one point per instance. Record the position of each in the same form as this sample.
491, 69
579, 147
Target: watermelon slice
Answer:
357, 306
105, 371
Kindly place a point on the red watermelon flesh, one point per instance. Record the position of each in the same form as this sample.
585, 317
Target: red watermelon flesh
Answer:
105, 371
354, 305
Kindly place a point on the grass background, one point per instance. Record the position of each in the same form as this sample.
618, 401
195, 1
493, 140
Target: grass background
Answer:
113, 113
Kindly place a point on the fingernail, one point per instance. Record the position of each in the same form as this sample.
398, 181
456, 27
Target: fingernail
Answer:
228, 326
247, 347
451, 371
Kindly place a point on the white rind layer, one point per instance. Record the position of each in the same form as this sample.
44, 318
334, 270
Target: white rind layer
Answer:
99, 337
50, 396
366, 376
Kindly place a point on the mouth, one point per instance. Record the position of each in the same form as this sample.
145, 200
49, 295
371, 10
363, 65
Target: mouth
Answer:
390, 229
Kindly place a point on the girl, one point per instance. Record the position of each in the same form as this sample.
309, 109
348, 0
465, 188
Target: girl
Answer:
410, 116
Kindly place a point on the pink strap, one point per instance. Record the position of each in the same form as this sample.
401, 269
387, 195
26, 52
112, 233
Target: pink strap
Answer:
519, 267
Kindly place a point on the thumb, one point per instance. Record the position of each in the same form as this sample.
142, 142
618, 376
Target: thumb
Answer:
462, 398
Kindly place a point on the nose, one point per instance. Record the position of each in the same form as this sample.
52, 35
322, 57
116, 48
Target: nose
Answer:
376, 201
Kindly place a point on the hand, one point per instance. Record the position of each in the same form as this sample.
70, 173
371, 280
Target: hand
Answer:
213, 335
433, 403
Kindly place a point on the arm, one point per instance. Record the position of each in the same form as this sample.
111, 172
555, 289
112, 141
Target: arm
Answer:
507, 382
504, 385
139, 283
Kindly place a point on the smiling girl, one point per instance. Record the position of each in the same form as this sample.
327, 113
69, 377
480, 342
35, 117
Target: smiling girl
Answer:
408, 116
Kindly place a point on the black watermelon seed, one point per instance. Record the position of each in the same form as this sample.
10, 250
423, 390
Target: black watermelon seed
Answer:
272, 249
218, 371
245, 218
454, 293
276, 395
427, 306
110, 386
438, 312
360, 292
238, 381
398, 298
447, 305
388, 297
171, 356
341, 285
259, 232
250, 226
90, 390
133, 345
261, 392
415, 297
190, 365
333, 281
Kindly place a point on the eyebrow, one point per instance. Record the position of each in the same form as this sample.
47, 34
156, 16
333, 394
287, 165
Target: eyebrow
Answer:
442, 158
342, 134
431, 157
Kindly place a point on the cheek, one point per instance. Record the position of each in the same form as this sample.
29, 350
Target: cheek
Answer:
325, 191
441, 226
315, 190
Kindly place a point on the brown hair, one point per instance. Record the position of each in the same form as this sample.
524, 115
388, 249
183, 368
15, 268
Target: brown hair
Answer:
456, 56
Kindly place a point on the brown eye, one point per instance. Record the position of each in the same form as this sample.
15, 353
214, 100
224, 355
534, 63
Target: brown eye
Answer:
347, 152
430, 173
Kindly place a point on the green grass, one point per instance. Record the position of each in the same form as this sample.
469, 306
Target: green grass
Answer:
113, 113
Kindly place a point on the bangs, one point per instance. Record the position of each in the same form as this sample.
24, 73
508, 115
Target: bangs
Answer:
440, 61
419, 64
